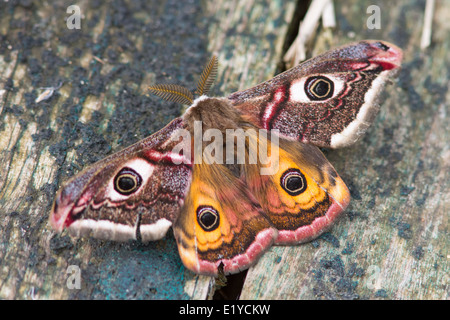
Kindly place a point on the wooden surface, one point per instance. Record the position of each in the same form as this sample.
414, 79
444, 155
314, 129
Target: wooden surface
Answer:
391, 244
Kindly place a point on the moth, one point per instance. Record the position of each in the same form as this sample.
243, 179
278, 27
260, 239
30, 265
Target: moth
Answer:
226, 214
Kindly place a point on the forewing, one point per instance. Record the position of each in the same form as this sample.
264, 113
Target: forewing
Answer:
97, 202
327, 101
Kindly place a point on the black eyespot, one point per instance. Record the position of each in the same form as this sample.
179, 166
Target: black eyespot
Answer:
319, 88
293, 182
127, 181
208, 218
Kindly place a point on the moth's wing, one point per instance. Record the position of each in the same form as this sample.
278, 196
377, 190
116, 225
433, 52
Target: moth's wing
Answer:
298, 189
327, 101
221, 226
97, 202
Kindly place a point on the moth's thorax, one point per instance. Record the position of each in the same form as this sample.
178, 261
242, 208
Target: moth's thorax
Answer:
214, 113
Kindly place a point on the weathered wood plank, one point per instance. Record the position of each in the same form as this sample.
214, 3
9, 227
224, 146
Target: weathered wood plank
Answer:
248, 38
106, 66
393, 242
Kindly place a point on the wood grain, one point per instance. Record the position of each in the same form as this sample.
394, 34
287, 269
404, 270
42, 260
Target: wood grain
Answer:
391, 244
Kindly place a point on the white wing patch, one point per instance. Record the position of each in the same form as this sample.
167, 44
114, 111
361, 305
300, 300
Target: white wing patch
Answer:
358, 127
142, 167
297, 89
154, 231
102, 229
109, 230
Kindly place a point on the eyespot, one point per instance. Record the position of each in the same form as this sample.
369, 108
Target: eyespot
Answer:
293, 182
127, 181
319, 88
208, 218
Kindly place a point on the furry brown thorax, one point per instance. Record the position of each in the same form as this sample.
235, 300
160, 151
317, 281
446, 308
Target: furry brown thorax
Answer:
214, 113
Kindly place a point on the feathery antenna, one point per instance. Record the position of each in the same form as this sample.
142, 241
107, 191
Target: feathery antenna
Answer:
176, 93
172, 92
208, 76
